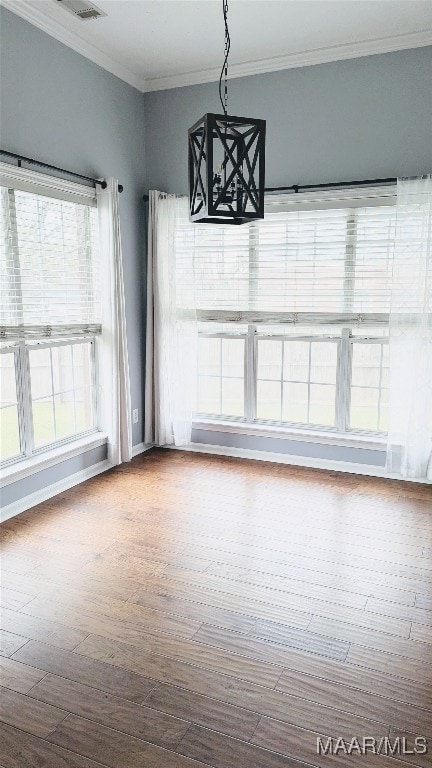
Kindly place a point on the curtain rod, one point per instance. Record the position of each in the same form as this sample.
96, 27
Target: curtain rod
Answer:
332, 184
21, 158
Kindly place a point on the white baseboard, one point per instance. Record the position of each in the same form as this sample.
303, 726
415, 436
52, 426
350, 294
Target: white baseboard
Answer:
141, 448
295, 461
52, 490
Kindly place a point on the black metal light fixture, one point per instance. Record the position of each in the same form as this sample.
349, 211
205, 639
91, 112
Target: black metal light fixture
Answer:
226, 161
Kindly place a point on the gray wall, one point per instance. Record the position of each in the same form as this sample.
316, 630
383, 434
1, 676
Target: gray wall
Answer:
59, 107
356, 119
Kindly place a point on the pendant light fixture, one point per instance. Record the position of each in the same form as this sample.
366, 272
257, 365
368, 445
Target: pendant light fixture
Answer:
226, 161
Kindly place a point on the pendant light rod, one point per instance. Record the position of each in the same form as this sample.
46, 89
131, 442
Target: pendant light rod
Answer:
224, 70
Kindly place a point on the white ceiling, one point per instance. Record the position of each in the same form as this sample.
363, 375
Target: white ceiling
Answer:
156, 44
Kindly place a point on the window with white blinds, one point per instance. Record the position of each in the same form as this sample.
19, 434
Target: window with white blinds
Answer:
293, 312
50, 312
321, 263
49, 265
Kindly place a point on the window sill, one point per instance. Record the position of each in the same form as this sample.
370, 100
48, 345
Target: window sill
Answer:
25, 467
374, 442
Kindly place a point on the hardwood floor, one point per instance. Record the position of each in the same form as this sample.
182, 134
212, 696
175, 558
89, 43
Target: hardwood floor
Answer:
185, 611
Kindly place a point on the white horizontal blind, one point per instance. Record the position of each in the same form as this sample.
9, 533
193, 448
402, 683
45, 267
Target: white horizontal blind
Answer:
49, 265
332, 262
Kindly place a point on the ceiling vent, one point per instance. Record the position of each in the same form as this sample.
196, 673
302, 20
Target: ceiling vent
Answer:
84, 10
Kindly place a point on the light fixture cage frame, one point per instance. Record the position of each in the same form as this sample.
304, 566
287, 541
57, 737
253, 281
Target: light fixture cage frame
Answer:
241, 142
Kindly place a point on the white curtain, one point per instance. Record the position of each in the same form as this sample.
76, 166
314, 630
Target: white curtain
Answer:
171, 333
114, 385
409, 451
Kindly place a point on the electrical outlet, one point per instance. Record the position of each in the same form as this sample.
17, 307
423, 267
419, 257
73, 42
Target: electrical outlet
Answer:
135, 414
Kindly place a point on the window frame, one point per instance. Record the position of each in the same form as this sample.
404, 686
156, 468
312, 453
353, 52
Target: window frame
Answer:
343, 382
21, 350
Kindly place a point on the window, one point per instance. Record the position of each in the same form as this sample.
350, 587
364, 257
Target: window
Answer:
293, 315
50, 313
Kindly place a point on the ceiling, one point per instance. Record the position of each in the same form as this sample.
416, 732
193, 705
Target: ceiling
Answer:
157, 44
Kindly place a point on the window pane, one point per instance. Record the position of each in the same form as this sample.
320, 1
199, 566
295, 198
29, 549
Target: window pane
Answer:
221, 376
82, 365
43, 422
64, 415
269, 400
209, 395
63, 374
7, 379
269, 359
233, 357
209, 356
364, 408
69, 410
370, 378
84, 410
366, 362
9, 432
296, 360
322, 404
323, 362
40, 372
232, 397
295, 402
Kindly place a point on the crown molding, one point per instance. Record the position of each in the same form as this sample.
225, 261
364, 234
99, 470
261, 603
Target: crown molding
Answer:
28, 11
294, 60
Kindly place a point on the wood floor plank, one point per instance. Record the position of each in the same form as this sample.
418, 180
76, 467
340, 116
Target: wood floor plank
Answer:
297, 617
298, 591
275, 652
198, 611
219, 751
10, 642
364, 619
12, 599
371, 639
424, 602
423, 634
203, 710
29, 715
104, 616
39, 629
179, 653
41, 580
390, 663
323, 580
19, 677
17, 563
362, 679
104, 708
87, 671
361, 703
113, 748
21, 750
391, 609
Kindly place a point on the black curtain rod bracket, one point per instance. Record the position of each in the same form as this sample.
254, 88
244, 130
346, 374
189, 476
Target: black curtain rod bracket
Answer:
21, 159
296, 188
